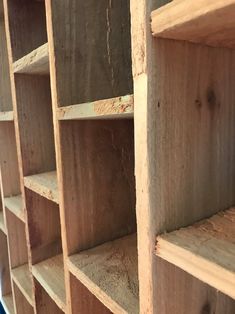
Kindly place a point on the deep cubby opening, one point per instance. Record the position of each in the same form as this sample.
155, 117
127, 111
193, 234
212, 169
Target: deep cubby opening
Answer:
98, 181
83, 301
5, 279
44, 227
35, 122
44, 303
22, 305
27, 24
92, 50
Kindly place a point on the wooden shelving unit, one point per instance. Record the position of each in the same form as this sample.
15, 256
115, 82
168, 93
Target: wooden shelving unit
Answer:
115, 132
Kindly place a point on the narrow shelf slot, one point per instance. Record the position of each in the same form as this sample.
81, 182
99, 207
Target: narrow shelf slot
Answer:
2, 223
110, 272
207, 22
7, 303
23, 279
36, 62
113, 108
44, 184
50, 275
205, 250
6, 116
15, 205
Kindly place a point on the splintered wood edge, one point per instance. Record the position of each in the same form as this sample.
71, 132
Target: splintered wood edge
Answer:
113, 108
112, 305
41, 189
37, 61
206, 271
6, 116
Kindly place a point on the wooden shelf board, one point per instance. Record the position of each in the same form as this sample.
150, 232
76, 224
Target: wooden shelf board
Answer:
45, 184
114, 108
6, 116
50, 275
23, 279
109, 271
206, 250
2, 223
36, 62
204, 21
15, 205
7, 303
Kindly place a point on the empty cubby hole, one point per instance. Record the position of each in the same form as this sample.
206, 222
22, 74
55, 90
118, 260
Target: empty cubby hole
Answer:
35, 122
27, 24
92, 46
44, 227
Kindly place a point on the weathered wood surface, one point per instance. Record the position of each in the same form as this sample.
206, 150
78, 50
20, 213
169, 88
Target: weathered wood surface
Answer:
208, 22
110, 272
23, 279
36, 62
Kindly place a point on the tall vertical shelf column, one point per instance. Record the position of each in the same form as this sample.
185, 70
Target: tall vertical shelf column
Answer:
184, 130
28, 49
93, 116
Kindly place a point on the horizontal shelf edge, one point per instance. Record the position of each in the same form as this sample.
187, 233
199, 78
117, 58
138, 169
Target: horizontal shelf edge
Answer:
113, 108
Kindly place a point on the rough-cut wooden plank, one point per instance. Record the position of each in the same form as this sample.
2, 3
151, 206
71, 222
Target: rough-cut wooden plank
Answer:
7, 303
15, 205
204, 21
44, 184
23, 279
6, 116
113, 108
36, 62
206, 250
2, 223
50, 275
110, 272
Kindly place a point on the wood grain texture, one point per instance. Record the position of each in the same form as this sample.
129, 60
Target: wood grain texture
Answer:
44, 303
206, 250
9, 160
110, 272
15, 205
88, 303
22, 305
45, 184
90, 65
35, 62
97, 154
2, 222
6, 116
23, 279
208, 22
188, 293
5, 84
35, 125
114, 108
7, 303
27, 26
16, 240
43, 226
5, 279
50, 274
184, 165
